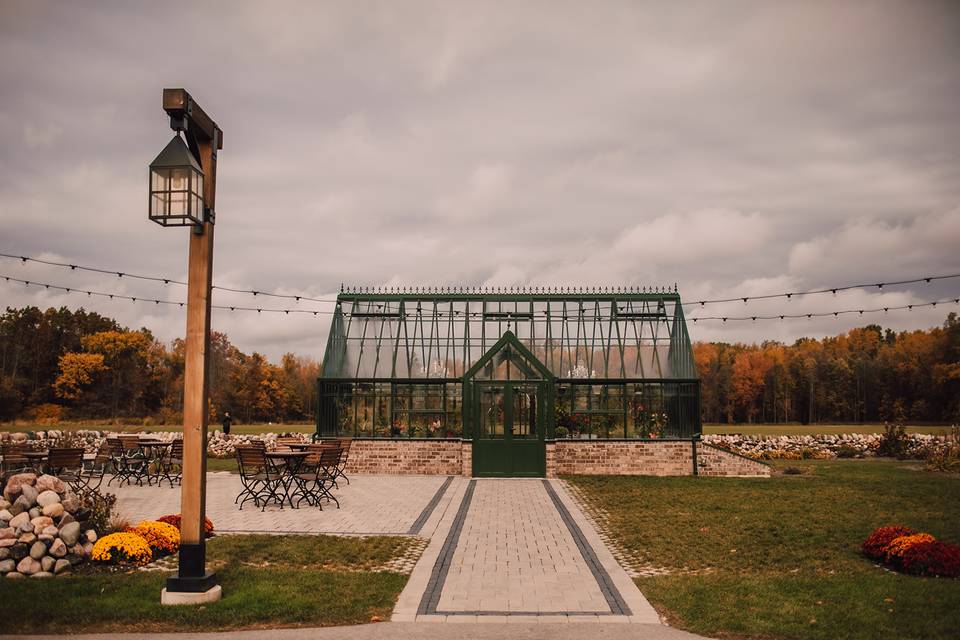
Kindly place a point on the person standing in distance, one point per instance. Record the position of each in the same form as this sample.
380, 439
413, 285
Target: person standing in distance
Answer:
226, 423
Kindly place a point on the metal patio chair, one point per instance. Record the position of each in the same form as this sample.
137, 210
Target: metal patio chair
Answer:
171, 463
94, 472
315, 483
345, 444
14, 461
260, 481
67, 465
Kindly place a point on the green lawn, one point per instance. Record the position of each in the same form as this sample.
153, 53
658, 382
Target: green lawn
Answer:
813, 429
268, 581
779, 557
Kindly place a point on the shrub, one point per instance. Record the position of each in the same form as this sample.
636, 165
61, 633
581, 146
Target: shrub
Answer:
894, 551
561, 432
932, 558
174, 519
847, 451
101, 510
875, 544
122, 548
894, 441
47, 413
162, 537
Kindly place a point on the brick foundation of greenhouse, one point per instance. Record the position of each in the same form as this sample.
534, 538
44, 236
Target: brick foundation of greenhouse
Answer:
454, 457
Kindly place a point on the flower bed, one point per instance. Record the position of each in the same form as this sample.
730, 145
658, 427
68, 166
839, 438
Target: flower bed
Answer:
174, 520
905, 550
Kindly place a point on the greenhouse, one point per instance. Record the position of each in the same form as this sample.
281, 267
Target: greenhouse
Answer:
509, 370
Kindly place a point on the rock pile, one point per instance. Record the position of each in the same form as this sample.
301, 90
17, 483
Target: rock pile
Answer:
43, 528
822, 445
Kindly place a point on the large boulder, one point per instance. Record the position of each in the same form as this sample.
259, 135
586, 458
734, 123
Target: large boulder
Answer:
20, 520
58, 549
28, 566
16, 482
70, 533
30, 493
50, 483
38, 550
46, 498
54, 510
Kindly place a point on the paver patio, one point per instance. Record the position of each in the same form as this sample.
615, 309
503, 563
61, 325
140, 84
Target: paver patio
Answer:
511, 550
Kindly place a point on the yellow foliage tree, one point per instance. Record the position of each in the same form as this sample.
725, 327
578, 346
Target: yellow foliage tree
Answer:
77, 370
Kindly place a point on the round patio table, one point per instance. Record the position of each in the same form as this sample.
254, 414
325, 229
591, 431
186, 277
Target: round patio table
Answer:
287, 463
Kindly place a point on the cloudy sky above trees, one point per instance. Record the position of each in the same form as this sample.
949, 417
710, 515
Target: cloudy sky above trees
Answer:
733, 148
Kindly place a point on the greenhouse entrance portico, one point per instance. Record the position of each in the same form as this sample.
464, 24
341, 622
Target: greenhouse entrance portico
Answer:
518, 382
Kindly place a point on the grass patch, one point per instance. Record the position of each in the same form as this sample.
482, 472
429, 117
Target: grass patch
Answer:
222, 464
310, 581
779, 557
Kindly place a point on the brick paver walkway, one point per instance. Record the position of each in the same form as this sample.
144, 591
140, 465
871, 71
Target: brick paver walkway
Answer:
518, 550
368, 505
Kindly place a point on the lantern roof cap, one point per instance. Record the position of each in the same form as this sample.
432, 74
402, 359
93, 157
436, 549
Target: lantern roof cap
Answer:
176, 154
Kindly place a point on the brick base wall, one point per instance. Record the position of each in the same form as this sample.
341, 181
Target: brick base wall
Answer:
407, 457
712, 461
645, 458
565, 457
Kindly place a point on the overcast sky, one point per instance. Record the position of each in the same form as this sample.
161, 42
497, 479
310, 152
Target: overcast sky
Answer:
729, 147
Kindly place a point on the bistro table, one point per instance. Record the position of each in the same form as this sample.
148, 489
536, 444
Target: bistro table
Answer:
287, 463
153, 450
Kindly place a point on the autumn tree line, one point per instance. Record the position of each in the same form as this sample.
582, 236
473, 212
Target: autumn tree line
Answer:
865, 375
81, 365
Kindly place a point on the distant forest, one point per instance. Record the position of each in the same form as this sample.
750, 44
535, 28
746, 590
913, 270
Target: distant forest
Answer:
63, 364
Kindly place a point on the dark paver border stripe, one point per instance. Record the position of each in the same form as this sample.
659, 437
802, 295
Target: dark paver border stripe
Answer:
431, 595
417, 525
617, 605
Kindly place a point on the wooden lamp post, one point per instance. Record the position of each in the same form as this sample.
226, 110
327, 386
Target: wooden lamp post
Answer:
183, 182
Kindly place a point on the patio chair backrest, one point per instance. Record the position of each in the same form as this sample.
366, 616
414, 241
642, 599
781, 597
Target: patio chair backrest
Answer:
115, 446
176, 449
345, 444
330, 457
130, 443
251, 460
65, 459
103, 455
286, 441
13, 455
315, 450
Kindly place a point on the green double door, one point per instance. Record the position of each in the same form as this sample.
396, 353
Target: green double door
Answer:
509, 429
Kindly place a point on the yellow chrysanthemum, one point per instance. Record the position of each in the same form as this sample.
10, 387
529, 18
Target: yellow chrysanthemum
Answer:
897, 546
122, 548
163, 538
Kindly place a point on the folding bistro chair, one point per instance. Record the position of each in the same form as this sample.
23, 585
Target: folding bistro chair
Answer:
345, 444
67, 465
93, 473
171, 463
315, 483
126, 466
14, 461
284, 442
260, 482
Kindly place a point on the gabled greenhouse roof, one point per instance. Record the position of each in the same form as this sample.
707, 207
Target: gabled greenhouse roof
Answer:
577, 334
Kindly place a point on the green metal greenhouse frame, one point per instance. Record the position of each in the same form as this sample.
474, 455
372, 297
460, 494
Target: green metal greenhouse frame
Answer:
550, 363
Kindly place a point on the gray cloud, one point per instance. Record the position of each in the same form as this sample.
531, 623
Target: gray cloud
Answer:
749, 146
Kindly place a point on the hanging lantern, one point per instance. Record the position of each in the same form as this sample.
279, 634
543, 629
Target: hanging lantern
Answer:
176, 187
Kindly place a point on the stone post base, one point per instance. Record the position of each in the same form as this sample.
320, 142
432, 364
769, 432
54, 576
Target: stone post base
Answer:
187, 597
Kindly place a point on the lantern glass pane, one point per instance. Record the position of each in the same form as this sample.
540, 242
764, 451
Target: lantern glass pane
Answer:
198, 184
179, 179
159, 179
197, 207
178, 203
158, 204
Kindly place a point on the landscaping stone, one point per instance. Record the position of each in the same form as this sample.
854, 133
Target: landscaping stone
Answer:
50, 483
50, 530
4, 553
58, 549
54, 510
70, 502
15, 509
19, 550
70, 533
19, 520
74, 559
60, 566
65, 519
5, 515
14, 574
88, 549
38, 550
4, 504
42, 574
17, 481
6, 566
46, 538
7, 533
28, 538
7, 543
46, 498
30, 493
22, 504
34, 512
46, 563
91, 535
77, 550
28, 566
